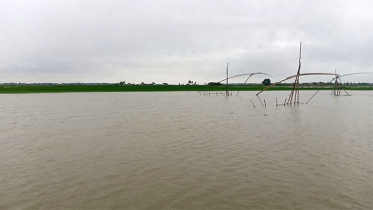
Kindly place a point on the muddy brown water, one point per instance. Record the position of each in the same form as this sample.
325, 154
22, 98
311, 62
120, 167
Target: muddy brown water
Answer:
181, 150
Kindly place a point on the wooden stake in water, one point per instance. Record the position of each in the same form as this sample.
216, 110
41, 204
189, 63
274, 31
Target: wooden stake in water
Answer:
252, 103
259, 100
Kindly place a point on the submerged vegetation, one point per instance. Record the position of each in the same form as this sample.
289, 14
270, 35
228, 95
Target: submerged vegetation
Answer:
164, 87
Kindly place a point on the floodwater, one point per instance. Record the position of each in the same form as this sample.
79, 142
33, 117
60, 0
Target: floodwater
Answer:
183, 150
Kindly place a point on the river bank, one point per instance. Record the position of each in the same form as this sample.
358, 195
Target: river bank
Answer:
4, 89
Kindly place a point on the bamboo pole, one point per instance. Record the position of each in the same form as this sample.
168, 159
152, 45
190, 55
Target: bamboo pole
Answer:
226, 86
250, 74
252, 103
312, 97
259, 100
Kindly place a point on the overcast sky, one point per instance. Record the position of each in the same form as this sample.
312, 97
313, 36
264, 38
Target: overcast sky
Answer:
175, 41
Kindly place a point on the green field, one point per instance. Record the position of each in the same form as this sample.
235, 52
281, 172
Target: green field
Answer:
150, 88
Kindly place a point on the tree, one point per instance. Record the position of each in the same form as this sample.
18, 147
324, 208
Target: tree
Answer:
266, 82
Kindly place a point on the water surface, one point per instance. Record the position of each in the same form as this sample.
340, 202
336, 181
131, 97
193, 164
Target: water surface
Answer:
181, 150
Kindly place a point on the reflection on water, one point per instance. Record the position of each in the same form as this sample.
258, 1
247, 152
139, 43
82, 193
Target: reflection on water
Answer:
185, 151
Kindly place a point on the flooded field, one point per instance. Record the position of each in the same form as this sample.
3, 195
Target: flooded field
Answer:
181, 150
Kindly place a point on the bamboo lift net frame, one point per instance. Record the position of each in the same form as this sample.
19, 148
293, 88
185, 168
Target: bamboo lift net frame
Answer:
294, 94
338, 83
239, 75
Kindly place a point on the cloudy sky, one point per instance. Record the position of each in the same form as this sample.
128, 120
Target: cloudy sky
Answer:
179, 40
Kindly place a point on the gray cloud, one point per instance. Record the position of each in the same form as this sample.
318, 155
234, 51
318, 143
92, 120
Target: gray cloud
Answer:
177, 41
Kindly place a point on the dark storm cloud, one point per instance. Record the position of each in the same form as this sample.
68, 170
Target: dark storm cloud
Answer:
177, 41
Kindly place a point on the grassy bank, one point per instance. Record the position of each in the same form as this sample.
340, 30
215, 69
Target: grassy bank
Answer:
148, 88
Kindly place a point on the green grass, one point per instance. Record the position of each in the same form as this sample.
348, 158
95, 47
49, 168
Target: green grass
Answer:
148, 88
